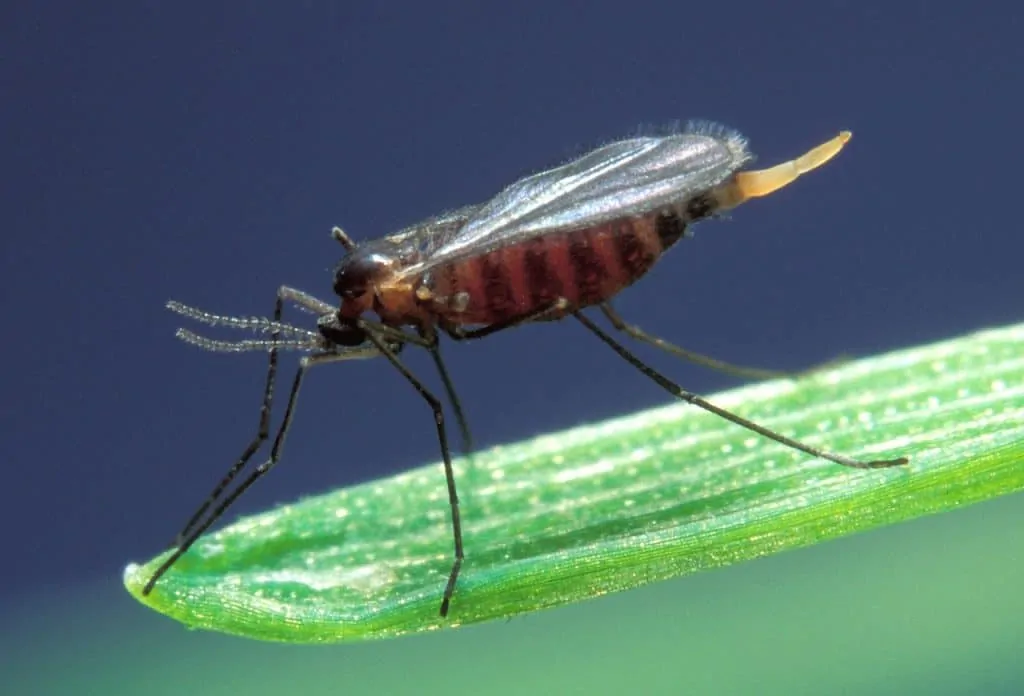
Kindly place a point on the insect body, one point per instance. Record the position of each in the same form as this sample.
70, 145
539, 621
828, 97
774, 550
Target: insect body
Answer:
582, 267
546, 247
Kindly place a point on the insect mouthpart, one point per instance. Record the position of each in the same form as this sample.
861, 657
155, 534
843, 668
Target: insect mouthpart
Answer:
340, 332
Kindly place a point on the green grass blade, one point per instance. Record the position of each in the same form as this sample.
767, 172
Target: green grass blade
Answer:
606, 507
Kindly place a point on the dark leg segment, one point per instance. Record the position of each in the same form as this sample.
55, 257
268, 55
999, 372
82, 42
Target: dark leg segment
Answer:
442, 436
700, 402
262, 432
428, 340
453, 397
193, 531
284, 294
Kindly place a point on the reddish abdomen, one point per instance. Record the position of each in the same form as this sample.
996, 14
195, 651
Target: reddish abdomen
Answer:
586, 267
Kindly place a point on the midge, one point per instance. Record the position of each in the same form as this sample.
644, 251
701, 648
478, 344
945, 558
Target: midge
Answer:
545, 248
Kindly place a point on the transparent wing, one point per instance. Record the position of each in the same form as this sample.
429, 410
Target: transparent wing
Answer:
418, 241
622, 179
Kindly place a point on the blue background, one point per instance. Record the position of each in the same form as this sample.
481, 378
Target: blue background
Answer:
202, 152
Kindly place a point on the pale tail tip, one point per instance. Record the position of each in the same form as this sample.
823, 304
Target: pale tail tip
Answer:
753, 184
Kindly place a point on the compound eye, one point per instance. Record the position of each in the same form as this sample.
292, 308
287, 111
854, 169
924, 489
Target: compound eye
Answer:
351, 280
355, 275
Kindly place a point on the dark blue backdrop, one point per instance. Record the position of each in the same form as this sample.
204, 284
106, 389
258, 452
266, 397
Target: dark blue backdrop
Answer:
202, 153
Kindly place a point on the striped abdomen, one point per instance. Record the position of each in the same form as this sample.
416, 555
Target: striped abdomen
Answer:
586, 267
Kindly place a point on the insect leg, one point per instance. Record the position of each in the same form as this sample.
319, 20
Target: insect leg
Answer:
639, 334
442, 437
428, 339
197, 530
262, 432
396, 335
449, 388
691, 398
284, 293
